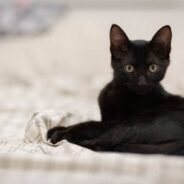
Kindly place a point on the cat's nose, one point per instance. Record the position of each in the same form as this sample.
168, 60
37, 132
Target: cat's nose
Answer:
142, 81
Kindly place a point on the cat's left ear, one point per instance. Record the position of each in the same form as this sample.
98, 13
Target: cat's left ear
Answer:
161, 41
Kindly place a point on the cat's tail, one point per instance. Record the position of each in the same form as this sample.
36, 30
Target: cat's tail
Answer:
170, 148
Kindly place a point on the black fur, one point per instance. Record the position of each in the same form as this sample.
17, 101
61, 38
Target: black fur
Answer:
138, 115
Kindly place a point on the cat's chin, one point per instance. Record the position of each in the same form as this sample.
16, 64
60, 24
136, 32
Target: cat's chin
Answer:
142, 91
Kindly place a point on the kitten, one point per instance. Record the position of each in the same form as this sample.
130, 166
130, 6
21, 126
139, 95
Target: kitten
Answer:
138, 115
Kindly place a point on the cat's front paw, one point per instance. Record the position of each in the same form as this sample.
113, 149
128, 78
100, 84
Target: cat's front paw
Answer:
54, 130
56, 137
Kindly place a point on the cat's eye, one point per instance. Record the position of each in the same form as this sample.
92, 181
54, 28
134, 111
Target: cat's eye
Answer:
153, 68
129, 68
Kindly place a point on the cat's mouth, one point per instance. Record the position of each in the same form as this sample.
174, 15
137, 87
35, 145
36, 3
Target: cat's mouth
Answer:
143, 92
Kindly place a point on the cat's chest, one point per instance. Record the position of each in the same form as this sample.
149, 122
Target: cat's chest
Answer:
121, 104
127, 105
130, 103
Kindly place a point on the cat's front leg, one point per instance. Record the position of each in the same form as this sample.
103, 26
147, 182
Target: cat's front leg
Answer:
72, 134
108, 139
79, 132
93, 145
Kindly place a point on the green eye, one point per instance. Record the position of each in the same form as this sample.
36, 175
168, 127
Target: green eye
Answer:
129, 68
153, 68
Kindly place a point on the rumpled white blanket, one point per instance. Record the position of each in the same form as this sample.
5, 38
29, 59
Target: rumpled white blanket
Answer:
40, 123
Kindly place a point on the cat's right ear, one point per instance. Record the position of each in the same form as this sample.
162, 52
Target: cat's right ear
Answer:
118, 39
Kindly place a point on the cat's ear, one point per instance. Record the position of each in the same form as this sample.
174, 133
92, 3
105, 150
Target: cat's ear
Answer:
161, 41
118, 39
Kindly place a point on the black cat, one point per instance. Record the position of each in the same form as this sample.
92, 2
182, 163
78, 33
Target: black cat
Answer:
138, 115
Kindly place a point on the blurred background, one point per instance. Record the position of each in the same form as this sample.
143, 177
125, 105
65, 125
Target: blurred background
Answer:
50, 48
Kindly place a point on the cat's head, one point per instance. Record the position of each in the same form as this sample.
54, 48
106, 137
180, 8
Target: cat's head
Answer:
140, 64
